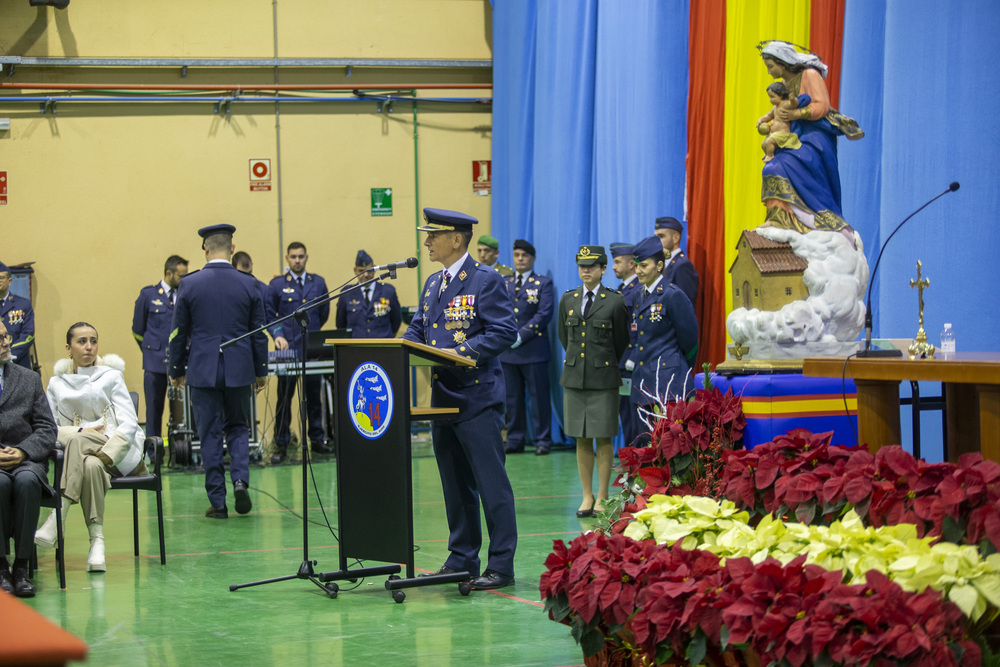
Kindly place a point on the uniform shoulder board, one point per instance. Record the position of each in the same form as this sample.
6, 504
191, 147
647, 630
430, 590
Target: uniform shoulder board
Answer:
572, 289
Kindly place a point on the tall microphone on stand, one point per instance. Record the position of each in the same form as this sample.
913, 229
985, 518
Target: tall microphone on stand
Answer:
405, 264
868, 352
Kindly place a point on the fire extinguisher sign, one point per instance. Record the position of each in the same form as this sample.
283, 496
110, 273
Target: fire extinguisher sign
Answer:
260, 175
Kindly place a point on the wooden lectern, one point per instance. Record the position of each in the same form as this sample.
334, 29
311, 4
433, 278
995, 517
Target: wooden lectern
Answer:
374, 483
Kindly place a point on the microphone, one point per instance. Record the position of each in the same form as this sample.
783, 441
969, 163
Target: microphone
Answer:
868, 352
405, 264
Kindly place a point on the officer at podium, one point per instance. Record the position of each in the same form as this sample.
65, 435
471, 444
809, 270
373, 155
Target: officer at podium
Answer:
466, 308
373, 311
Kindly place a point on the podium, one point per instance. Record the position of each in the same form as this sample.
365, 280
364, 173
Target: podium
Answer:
374, 482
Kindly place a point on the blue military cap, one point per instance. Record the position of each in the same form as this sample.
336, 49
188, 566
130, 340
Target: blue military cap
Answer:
211, 230
363, 259
521, 244
669, 223
648, 247
589, 255
4, 268
442, 220
619, 249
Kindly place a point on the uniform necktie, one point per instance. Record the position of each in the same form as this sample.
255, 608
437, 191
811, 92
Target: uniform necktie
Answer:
171, 297
517, 287
588, 303
444, 281
302, 284
368, 298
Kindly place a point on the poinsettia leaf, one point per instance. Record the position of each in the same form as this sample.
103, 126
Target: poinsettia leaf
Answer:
952, 530
806, 512
592, 641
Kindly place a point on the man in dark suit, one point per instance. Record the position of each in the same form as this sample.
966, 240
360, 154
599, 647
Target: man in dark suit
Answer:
465, 308
372, 312
286, 294
19, 317
677, 268
214, 305
526, 363
244, 263
27, 438
151, 326
629, 288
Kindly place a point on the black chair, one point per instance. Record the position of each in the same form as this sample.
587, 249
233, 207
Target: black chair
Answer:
148, 482
55, 502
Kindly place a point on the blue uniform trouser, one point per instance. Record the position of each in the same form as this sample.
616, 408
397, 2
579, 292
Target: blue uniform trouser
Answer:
470, 458
154, 386
629, 418
534, 377
283, 410
223, 412
20, 504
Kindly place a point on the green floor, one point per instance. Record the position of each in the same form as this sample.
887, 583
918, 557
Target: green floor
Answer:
183, 613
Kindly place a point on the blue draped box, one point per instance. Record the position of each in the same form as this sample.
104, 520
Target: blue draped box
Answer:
776, 404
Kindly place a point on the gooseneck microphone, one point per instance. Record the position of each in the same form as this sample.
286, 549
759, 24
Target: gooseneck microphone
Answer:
405, 264
868, 351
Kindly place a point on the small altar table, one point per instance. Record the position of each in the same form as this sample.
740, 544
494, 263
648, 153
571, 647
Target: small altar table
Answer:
972, 394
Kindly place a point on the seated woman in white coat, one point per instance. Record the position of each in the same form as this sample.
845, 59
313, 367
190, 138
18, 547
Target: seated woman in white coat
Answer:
98, 431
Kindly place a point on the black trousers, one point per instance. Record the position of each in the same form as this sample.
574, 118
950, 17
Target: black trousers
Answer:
20, 505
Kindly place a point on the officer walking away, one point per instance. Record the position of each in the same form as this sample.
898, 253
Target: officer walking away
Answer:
373, 311
629, 288
19, 317
526, 363
593, 329
214, 305
285, 294
466, 309
488, 249
677, 268
151, 325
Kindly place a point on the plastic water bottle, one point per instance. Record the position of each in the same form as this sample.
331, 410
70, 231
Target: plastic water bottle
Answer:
948, 342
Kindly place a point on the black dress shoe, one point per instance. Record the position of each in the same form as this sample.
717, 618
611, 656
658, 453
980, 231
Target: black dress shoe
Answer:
217, 512
243, 504
22, 585
321, 449
541, 451
583, 514
491, 579
444, 570
6, 580
279, 457
513, 450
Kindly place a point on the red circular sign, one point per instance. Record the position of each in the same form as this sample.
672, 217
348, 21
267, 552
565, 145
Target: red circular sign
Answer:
259, 169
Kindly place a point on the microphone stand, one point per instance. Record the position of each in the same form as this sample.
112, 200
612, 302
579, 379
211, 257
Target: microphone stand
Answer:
301, 317
868, 352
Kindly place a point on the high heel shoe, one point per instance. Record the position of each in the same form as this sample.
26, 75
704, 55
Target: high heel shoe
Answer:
583, 514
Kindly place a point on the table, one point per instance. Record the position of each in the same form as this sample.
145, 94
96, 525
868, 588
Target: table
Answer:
972, 394
31, 639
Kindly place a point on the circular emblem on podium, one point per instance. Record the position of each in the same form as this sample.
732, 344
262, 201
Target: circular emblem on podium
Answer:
370, 400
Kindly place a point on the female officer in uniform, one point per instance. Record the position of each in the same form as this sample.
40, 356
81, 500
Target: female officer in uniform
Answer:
593, 329
667, 334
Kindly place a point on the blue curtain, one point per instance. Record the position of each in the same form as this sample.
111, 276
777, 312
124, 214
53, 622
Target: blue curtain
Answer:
925, 75
589, 127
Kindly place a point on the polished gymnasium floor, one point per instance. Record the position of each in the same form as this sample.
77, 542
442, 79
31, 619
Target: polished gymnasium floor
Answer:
142, 613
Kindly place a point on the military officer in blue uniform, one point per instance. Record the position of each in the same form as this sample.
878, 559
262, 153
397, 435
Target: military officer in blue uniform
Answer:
677, 268
666, 330
19, 318
526, 363
373, 311
593, 329
214, 305
152, 318
624, 268
466, 308
285, 295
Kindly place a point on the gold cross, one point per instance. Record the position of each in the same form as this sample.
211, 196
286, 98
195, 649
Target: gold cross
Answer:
921, 284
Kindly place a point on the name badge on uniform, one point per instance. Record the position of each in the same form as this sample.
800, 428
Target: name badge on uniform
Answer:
634, 327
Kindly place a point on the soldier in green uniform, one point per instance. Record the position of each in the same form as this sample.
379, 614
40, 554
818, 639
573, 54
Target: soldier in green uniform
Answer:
593, 329
488, 250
